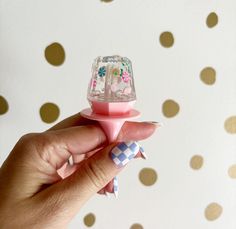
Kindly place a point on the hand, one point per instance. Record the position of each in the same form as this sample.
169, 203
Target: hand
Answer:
40, 189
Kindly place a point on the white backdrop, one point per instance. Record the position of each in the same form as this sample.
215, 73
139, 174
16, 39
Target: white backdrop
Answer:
197, 192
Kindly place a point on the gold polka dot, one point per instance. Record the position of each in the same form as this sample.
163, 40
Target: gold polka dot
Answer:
232, 171
106, 1
136, 226
89, 220
212, 20
3, 105
148, 176
166, 39
55, 54
230, 125
196, 162
170, 108
213, 211
49, 112
208, 75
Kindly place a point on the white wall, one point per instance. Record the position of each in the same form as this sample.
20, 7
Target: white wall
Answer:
87, 29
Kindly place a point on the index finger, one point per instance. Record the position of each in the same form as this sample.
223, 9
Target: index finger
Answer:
74, 120
130, 130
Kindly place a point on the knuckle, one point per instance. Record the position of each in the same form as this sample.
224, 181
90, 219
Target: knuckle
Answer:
46, 145
26, 146
33, 139
42, 143
98, 132
27, 140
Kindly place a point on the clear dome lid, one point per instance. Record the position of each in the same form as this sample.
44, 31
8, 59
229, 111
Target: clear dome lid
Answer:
112, 80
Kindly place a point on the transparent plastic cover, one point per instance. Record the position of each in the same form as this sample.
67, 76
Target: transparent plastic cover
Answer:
112, 80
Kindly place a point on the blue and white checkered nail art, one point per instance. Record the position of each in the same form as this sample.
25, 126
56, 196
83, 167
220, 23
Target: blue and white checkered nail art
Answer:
144, 155
124, 152
115, 186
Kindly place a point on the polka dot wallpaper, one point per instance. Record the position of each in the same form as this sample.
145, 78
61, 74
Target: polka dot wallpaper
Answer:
183, 55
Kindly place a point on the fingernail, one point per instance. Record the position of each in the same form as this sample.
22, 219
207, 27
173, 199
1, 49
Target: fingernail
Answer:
122, 153
115, 187
70, 161
144, 155
159, 124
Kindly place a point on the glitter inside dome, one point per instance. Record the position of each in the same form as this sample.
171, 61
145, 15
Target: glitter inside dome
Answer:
111, 90
112, 80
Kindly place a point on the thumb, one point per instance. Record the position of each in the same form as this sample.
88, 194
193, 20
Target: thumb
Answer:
92, 175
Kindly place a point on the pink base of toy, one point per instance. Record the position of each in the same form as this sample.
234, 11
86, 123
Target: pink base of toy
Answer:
115, 108
110, 124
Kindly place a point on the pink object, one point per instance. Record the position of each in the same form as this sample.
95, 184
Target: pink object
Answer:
111, 96
108, 108
110, 124
93, 83
126, 77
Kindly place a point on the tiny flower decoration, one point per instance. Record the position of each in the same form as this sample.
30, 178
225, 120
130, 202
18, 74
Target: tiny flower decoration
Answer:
126, 77
116, 72
102, 71
93, 83
121, 72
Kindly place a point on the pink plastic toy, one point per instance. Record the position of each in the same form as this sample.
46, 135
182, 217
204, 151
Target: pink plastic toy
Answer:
111, 94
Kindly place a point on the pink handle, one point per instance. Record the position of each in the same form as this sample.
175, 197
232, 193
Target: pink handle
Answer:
112, 129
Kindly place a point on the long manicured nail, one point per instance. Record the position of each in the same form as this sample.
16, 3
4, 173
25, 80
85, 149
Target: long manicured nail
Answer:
70, 160
144, 155
124, 152
115, 187
159, 124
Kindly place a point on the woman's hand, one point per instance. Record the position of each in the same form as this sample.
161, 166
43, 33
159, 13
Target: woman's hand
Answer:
40, 189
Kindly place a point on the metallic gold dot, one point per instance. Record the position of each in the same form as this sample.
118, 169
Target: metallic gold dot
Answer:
232, 171
208, 75
196, 162
89, 220
55, 54
106, 1
3, 105
230, 125
136, 226
148, 176
212, 20
213, 211
170, 108
49, 112
166, 39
